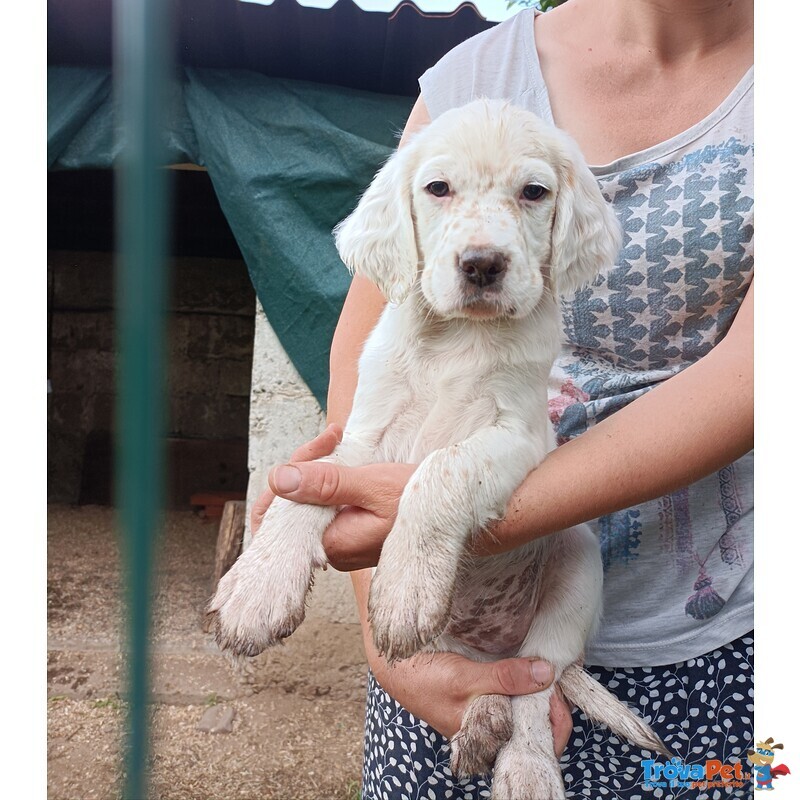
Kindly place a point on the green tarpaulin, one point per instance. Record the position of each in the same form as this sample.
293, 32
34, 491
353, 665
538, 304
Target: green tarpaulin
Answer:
287, 159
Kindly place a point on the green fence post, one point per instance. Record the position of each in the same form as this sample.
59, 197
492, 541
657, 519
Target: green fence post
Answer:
142, 71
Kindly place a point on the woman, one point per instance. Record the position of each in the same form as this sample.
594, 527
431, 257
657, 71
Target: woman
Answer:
652, 398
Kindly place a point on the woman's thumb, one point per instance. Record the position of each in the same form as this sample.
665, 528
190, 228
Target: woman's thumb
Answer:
514, 676
320, 483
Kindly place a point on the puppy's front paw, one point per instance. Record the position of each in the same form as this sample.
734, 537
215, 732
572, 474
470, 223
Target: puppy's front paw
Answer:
260, 602
487, 725
407, 610
521, 774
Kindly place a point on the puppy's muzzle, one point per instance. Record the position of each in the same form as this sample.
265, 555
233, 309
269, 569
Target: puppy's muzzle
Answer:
483, 268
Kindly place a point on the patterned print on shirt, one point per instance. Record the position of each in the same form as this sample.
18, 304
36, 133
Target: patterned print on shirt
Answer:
685, 256
620, 535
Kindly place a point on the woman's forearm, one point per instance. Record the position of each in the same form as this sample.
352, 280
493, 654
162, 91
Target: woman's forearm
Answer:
362, 308
361, 311
695, 423
361, 581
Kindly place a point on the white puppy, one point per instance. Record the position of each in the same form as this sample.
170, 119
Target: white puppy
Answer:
471, 231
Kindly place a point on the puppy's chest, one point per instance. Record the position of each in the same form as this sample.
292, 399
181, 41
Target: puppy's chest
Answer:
434, 411
428, 386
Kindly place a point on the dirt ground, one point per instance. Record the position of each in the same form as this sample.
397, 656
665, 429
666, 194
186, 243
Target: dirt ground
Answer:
298, 710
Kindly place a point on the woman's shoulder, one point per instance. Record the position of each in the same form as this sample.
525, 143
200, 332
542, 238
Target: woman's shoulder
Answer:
497, 63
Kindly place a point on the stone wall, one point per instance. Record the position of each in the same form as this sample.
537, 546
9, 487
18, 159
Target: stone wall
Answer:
210, 349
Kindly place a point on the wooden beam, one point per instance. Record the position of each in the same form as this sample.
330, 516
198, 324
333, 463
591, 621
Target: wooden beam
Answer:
229, 543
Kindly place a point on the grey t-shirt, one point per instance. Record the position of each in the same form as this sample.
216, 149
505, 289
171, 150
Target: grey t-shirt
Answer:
678, 570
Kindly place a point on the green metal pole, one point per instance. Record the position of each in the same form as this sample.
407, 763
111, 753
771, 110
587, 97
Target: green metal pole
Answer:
142, 70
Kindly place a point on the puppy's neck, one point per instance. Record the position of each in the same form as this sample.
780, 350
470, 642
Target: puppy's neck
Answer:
533, 338
427, 320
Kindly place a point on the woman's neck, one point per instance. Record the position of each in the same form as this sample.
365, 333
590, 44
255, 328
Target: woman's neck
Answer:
624, 75
671, 30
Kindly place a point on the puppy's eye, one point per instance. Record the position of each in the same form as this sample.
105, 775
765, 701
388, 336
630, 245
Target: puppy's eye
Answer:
438, 189
534, 192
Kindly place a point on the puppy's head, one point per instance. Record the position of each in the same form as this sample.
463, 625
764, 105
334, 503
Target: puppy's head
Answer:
477, 210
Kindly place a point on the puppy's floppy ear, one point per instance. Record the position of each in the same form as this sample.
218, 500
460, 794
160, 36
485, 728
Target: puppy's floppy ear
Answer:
586, 234
377, 240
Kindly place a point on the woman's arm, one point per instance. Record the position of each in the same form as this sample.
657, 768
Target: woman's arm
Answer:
695, 423
690, 426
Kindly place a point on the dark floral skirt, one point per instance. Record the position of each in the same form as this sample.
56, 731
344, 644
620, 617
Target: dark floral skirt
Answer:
701, 708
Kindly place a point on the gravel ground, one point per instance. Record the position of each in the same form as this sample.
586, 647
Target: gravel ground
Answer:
298, 710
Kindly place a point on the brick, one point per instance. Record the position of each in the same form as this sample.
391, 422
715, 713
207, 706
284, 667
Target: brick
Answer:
86, 330
221, 337
65, 411
193, 376
64, 458
104, 412
234, 378
208, 417
212, 285
85, 371
82, 280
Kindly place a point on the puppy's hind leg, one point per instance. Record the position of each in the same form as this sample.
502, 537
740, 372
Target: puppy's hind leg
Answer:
567, 611
526, 767
487, 725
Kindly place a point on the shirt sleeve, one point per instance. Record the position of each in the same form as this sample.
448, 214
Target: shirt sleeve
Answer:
495, 64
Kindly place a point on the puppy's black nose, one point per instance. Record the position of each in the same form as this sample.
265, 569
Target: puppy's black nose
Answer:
482, 267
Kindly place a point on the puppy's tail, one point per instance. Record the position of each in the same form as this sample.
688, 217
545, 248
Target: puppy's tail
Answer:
582, 690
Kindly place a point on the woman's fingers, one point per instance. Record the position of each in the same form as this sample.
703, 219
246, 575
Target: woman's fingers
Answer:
439, 687
260, 506
319, 447
323, 445
516, 676
511, 676
560, 721
369, 495
355, 538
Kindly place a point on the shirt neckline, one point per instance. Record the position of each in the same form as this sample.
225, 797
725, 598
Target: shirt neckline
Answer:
654, 152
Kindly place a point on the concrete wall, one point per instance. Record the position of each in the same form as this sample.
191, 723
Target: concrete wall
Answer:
283, 415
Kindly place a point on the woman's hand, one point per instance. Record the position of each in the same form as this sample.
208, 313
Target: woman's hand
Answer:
370, 495
322, 446
438, 687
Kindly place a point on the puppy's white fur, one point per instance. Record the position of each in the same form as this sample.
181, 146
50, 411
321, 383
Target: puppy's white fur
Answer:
454, 378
